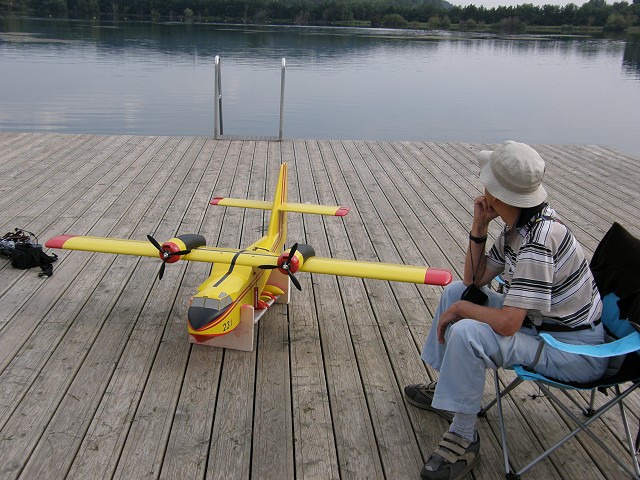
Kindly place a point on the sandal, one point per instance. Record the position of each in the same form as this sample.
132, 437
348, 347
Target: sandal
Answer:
453, 459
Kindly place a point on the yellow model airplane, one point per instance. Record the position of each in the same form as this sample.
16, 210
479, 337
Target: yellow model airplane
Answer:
244, 283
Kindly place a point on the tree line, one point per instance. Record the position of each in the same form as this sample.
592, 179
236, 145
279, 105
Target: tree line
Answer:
389, 13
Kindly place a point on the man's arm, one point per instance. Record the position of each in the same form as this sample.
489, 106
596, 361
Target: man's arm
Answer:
475, 265
505, 321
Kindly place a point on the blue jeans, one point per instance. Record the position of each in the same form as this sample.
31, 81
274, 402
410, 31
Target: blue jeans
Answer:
471, 347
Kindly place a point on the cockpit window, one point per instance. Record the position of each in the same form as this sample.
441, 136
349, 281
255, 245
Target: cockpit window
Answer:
224, 299
220, 303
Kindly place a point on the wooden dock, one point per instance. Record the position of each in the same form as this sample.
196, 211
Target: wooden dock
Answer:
99, 380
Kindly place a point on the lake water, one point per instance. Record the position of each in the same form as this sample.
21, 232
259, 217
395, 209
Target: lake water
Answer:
341, 83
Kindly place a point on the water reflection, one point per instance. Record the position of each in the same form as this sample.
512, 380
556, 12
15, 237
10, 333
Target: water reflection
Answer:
341, 83
631, 57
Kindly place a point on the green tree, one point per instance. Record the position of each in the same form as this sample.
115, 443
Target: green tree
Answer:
512, 25
58, 8
593, 12
394, 20
616, 23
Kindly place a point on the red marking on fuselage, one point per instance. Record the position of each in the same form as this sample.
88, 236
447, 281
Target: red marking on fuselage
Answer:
270, 295
202, 338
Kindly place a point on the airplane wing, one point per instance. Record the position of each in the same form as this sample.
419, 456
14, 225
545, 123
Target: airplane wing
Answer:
312, 264
379, 271
147, 249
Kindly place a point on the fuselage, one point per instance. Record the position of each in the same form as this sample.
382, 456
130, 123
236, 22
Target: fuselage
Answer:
215, 308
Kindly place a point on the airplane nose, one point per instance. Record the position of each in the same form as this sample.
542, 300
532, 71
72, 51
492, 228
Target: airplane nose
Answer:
200, 317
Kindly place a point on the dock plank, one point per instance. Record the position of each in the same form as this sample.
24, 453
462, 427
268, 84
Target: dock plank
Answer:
98, 379
231, 438
354, 431
315, 441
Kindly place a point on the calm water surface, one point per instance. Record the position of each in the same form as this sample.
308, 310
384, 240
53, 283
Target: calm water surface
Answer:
157, 79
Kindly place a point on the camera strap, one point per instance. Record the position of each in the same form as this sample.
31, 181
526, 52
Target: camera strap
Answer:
474, 268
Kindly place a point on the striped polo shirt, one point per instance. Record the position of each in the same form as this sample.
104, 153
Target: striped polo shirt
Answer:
546, 272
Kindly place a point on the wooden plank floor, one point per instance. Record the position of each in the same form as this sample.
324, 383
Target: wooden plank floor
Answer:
98, 379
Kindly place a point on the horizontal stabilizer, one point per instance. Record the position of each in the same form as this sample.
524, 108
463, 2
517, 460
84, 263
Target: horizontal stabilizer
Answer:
285, 207
315, 209
242, 203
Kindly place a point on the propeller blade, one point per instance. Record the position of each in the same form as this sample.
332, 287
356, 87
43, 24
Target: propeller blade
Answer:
294, 280
166, 254
293, 250
285, 266
161, 272
155, 243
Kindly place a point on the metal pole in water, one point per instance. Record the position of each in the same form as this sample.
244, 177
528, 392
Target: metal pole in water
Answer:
217, 106
284, 62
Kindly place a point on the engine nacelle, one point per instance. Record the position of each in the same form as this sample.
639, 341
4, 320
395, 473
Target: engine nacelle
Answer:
188, 241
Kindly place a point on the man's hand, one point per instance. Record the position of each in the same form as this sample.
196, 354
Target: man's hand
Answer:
447, 317
482, 215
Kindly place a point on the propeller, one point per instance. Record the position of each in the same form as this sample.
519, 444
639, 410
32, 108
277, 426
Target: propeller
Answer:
166, 255
286, 263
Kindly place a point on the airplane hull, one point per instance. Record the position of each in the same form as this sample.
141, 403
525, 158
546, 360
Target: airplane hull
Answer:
233, 327
209, 317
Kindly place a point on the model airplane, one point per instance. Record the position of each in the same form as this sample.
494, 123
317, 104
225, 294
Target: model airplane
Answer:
243, 284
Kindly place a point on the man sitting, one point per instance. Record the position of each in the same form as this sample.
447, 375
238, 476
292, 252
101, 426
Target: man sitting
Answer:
548, 287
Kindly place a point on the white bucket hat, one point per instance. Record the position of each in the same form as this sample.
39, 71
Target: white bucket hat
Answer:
513, 173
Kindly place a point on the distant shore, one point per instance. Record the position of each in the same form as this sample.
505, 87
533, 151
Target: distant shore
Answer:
524, 29
595, 17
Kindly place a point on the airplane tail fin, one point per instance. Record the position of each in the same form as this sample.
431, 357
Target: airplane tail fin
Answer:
279, 206
278, 220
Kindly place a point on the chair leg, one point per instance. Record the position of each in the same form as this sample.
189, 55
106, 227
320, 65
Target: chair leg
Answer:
591, 409
584, 427
514, 383
587, 411
581, 426
503, 433
627, 432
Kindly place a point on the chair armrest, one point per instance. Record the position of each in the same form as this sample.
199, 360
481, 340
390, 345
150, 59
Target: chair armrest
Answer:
622, 346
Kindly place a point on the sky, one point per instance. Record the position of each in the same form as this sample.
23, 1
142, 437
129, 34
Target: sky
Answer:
506, 3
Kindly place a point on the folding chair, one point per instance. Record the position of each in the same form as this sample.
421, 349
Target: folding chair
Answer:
622, 348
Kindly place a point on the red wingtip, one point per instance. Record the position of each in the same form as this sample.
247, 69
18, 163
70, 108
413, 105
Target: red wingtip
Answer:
58, 242
216, 200
438, 276
342, 211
